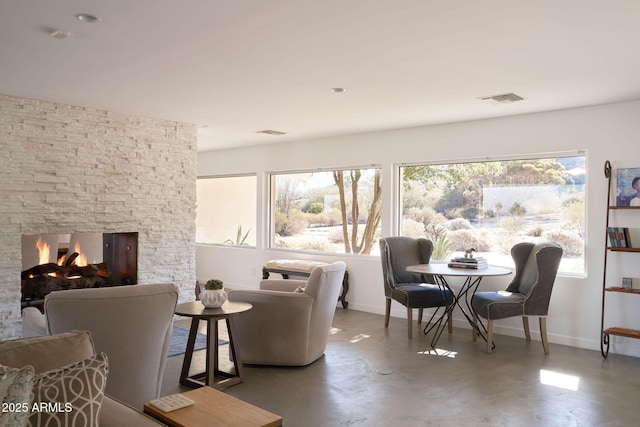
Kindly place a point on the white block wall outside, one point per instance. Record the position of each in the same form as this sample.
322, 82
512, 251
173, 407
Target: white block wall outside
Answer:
65, 168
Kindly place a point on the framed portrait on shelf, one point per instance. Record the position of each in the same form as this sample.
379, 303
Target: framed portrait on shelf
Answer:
628, 187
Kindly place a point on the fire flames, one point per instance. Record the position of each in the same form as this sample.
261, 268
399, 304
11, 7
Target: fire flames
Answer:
44, 252
71, 271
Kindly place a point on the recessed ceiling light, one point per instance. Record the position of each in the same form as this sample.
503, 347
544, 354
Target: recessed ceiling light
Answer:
271, 132
88, 18
338, 89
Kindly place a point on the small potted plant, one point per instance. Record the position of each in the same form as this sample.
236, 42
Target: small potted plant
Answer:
213, 294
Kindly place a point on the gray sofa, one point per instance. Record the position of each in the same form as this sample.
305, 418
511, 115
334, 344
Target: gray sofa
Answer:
47, 353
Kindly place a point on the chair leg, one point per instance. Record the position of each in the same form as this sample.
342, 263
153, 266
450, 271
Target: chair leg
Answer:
543, 334
489, 334
474, 335
419, 316
387, 313
409, 321
450, 322
525, 324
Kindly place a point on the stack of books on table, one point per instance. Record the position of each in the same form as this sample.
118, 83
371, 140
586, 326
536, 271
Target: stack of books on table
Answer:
462, 262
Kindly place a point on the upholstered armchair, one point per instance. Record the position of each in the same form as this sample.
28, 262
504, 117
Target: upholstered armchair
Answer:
527, 295
412, 290
290, 320
131, 324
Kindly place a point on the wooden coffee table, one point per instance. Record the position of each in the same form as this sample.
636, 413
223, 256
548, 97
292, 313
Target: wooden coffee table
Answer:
214, 408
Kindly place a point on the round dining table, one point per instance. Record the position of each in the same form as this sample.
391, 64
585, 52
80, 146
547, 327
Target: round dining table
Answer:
472, 278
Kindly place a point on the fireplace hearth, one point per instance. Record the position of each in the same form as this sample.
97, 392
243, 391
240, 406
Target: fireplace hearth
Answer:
62, 263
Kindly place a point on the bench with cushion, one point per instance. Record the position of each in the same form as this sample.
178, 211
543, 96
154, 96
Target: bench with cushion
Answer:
303, 268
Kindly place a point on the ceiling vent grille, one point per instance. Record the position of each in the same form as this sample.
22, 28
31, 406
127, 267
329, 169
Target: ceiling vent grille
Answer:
505, 98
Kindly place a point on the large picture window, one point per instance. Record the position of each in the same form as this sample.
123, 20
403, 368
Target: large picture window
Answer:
226, 211
492, 205
329, 211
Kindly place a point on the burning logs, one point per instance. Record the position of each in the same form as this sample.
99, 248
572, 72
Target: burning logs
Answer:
42, 279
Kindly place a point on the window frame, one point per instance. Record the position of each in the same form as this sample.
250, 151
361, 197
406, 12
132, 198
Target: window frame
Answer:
256, 203
399, 190
271, 201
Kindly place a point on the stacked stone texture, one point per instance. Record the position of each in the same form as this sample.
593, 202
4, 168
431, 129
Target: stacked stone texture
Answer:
71, 169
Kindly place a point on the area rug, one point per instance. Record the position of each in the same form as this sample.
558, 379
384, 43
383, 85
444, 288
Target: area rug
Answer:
179, 338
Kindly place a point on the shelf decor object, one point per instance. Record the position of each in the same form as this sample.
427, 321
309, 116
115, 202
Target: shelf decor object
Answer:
617, 239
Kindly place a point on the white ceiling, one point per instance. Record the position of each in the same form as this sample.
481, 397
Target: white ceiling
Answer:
235, 67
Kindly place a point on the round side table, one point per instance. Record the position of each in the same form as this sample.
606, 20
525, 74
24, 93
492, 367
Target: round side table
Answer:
212, 376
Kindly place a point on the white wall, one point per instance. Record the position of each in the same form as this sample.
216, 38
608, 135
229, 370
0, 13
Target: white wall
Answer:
66, 168
604, 132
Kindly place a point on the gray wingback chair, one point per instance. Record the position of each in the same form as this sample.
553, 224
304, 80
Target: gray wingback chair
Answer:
527, 295
412, 290
290, 320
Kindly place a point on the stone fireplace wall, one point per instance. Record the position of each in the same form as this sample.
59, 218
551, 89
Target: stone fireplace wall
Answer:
65, 168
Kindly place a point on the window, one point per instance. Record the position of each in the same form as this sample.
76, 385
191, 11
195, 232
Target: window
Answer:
492, 205
330, 211
226, 212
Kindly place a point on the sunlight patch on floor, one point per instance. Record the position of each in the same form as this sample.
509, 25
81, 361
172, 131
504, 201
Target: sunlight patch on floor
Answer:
359, 337
439, 352
555, 379
334, 331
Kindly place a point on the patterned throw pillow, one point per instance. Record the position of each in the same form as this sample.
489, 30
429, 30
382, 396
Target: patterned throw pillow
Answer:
16, 395
70, 396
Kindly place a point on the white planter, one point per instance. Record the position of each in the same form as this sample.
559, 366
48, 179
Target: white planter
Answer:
213, 298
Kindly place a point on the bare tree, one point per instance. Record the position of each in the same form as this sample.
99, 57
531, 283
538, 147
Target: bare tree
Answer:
351, 243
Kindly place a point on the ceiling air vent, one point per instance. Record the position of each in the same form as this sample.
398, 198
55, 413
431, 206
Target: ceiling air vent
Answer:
271, 132
505, 98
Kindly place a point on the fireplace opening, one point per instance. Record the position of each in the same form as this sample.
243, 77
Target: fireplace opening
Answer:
52, 262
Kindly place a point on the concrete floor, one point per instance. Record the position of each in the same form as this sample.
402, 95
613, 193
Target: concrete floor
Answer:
372, 376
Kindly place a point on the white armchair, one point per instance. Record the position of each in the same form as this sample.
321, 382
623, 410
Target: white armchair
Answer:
131, 324
287, 327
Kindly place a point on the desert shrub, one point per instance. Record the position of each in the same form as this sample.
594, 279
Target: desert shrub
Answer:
458, 224
331, 217
535, 232
302, 204
412, 228
289, 225
517, 210
461, 240
315, 244
485, 238
433, 222
315, 208
425, 215
510, 224
469, 212
504, 240
335, 235
336, 239
572, 245
328, 217
573, 213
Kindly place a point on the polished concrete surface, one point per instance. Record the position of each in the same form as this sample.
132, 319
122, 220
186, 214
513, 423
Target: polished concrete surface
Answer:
372, 376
